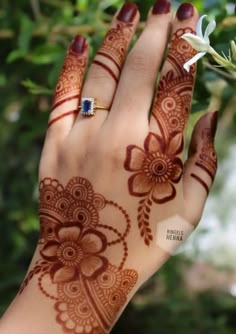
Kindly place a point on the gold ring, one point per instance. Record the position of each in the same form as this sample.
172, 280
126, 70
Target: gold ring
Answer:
88, 106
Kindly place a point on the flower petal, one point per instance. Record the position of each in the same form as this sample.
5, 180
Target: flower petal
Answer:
196, 42
93, 242
193, 60
176, 144
49, 251
93, 265
209, 29
63, 274
139, 184
134, 158
154, 143
69, 232
177, 171
199, 26
163, 192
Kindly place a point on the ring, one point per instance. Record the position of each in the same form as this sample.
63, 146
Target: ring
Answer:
88, 106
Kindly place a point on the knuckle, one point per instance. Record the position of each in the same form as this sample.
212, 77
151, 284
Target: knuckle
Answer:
138, 63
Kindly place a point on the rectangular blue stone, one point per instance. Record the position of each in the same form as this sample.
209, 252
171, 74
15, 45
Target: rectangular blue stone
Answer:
87, 105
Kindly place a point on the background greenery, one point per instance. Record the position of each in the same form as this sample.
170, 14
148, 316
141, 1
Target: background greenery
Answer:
34, 36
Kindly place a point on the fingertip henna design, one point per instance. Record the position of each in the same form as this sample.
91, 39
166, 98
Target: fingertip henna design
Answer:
114, 48
173, 100
71, 78
74, 270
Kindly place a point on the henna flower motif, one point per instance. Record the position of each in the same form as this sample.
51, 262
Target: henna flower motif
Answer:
75, 252
156, 167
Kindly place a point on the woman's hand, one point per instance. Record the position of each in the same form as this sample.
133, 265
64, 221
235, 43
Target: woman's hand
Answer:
116, 197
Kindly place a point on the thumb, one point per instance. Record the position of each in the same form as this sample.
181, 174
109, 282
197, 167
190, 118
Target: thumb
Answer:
200, 168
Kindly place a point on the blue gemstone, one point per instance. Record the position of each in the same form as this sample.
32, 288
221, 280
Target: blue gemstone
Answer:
87, 105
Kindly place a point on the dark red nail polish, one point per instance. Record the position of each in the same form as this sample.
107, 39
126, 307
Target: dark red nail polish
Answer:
214, 122
161, 7
185, 11
78, 44
127, 12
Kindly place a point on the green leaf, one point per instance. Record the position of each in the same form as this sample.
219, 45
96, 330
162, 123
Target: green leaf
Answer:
25, 35
35, 88
45, 54
15, 55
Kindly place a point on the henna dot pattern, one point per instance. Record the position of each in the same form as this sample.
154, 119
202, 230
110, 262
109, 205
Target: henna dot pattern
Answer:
90, 290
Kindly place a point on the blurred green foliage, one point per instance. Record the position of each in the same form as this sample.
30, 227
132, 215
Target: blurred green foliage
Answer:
34, 37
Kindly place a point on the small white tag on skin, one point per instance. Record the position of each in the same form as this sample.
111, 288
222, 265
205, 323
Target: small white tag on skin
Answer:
172, 232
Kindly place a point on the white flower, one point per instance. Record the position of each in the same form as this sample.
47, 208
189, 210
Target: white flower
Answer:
199, 42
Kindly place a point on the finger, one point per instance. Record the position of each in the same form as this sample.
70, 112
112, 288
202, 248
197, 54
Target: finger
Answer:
200, 168
135, 90
67, 93
173, 99
104, 73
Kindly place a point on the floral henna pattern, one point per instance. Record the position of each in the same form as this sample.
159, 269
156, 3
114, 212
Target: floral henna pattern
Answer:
156, 169
114, 47
74, 271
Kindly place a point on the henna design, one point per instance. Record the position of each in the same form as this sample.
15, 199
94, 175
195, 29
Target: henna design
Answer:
106, 68
207, 159
114, 47
70, 79
156, 169
74, 271
173, 100
73, 112
197, 178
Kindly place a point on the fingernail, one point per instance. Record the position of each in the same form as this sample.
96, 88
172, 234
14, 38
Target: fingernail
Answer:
78, 44
127, 12
214, 122
161, 7
185, 11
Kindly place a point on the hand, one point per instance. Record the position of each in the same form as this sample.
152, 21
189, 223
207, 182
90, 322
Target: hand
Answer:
116, 198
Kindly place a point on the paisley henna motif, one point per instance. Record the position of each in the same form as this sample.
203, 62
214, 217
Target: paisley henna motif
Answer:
74, 270
173, 100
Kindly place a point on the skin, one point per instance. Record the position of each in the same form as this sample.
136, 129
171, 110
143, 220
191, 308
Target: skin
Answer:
93, 164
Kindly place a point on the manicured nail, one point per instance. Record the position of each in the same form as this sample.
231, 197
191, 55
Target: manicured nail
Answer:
127, 12
185, 11
214, 122
78, 44
161, 7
